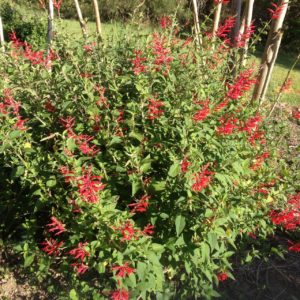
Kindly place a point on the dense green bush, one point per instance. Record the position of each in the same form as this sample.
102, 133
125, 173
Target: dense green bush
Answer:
134, 168
29, 27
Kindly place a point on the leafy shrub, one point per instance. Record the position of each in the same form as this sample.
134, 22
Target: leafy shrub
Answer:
28, 27
135, 168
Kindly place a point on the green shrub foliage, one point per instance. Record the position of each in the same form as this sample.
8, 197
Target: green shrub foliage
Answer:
135, 168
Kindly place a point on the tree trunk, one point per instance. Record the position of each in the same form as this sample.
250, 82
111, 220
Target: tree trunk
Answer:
246, 25
50, 24
236, 12
270, 53
217, 17
98, 21
1, 36
197, 24
81, 21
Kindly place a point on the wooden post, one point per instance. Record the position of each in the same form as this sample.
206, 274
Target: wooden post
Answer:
81, 21
1, 36
217, 17
270, 53
197, 24
97, 15
246, 25
50, 24
236, 12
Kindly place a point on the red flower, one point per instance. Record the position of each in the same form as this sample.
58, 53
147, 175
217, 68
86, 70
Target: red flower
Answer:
128, 231
296, 114
67, 173
80, 252
252, 235
242, 39
51, 246
295, 247
221, 1
89, 186
241, 85
57, 4
276, 11
49, 107
222, 105
259, 161
202, 179
165, 22
137, 62
102, 99
20, 123
148, 230
222, 276
57, 226
140, 206
201, 114
162, 53
225, 29
120, 295
81, 268
123, 271
227, 126
252, 123
83, 144
89, 48
154, 110
184, 166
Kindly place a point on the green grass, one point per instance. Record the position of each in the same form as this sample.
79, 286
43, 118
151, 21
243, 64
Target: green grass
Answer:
283, 63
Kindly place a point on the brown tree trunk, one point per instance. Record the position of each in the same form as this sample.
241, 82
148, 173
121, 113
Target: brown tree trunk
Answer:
197, 24
98, 21
1, 36
236, 12
217, 16
81, 21
270, 53
246, 23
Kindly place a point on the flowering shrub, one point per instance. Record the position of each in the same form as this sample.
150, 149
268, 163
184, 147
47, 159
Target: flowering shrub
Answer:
140, 165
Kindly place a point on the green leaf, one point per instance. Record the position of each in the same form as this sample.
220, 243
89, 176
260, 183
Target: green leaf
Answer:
159, 185
73, 295
212, 240
28, 260
141, 270
174, 170
136, 136
180, 224
135, 186
71, 145
14, 134
51, 182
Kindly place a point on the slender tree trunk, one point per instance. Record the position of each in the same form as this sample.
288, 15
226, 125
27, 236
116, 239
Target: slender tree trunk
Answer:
81, 21
1, 36
217, 17
246, 25
197, 24
270, 53
98, 21
236, 9
50, 24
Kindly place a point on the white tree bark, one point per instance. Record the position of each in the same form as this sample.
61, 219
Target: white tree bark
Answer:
1, 36
97, 15
270, 53
81, 21
197, 24
50, 24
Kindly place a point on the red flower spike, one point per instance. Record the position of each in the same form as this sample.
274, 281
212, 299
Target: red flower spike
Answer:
202, 179
276, 11
227, 126
52, 247
295, 247
127, 230
80, 252
222, 276
57, 226
80, 268
120, 295
89, 186
137, 62
148, 230
161, 52
123, 271
165, 22
225, 29
296, 114
154, 110
140, 206
184, 166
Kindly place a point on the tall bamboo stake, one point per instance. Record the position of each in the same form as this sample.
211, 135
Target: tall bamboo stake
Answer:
270, 53
1, 36
246, 25
81, 21
98, 21
197, 24
50, 24
217, 17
